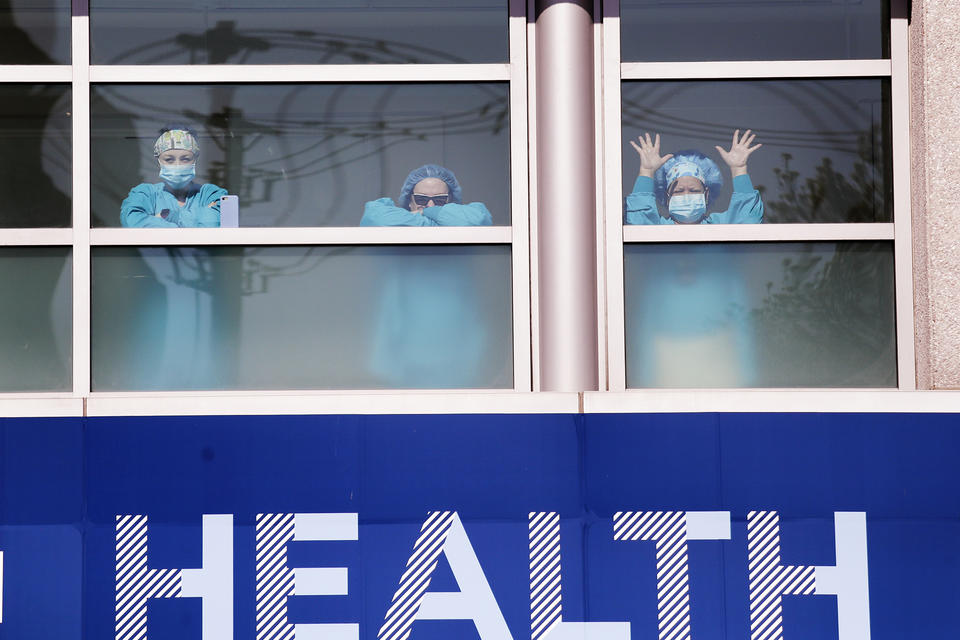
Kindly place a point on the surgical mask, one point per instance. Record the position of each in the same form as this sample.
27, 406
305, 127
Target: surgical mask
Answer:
178, 176
688, 207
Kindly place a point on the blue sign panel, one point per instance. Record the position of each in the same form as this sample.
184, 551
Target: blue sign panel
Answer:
539, 527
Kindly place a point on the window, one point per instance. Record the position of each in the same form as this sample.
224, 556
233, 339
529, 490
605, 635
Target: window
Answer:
805, 299
306, 112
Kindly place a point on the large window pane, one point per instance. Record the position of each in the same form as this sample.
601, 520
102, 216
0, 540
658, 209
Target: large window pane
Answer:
815, 314
35, 162
672, 31
826, 143
302, 317
35, 315
35, 32
306, 155
298, 31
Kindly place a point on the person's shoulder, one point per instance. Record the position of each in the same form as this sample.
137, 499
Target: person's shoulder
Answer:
147, 189
381, 202
208, 188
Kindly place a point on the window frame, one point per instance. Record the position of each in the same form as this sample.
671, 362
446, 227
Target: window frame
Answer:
82, 239
610, 155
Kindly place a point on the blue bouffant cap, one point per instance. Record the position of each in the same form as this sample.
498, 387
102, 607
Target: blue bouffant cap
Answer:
429, 171
688, 163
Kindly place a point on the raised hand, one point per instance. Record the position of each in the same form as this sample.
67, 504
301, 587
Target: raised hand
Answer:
739, 152
649, 152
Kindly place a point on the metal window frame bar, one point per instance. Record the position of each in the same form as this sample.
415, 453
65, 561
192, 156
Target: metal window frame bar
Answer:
352, 73
80, 49
253, 236
615, 72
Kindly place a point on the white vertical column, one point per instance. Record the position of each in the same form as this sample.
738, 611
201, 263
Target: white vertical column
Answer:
566, 198
81, 196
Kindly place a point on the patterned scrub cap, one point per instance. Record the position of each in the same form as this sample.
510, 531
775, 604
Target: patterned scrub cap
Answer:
681, 169
175, 139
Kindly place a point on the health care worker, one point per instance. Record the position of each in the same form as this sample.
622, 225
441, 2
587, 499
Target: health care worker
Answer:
688, 182
428, 330
430, 197
177, 201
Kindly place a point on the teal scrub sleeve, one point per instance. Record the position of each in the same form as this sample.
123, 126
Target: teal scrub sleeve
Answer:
451, 214
204, 211
746, 206
138, 208
642, 204
384, 213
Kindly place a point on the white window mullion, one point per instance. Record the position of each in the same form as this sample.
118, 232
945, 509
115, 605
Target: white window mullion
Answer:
519, 197
81, 204
800, 232
300, 236
612, 150
36, 237
302, 73
902, 218
754, 69
35, 74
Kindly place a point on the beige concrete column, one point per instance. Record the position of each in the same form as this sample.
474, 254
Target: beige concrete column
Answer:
566, 195
935, 155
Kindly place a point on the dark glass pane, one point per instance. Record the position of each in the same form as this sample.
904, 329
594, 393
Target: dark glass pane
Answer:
35, 315
306, 155
826, 143
689, 30
302, 318
791, 314
298, 32
35, 163
34, 31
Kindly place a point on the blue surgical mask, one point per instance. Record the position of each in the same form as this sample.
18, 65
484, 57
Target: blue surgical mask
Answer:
178, 176
688, 207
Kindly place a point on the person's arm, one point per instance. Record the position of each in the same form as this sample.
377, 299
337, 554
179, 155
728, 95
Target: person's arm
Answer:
746, 206
384, 213
206, 213
642, 204
137, 209
474, 214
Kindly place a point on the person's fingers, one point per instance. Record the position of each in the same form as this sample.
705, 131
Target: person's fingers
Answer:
748, 140
636, 147
648, 140
656, 143
736, 133
665, 158
755, 147
721, 151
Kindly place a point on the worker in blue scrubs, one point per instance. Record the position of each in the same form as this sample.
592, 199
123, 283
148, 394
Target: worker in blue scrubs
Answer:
685, 184
430, 197
176, 201
429, 330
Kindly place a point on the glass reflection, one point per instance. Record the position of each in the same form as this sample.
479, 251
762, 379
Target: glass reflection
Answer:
298, 32
301, 318
35, 163
35, 334
760, 315
305, 155
34, 31
826, 143
671, 31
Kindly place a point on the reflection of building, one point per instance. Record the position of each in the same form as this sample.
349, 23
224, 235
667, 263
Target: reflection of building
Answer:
848, 286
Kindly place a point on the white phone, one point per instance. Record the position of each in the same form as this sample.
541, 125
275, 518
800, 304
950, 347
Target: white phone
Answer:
229, 211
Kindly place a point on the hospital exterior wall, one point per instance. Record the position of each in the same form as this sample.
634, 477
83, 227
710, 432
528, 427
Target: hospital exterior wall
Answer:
935, 111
